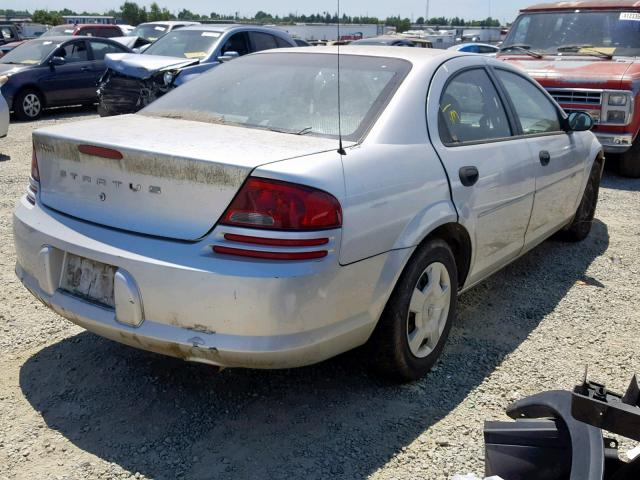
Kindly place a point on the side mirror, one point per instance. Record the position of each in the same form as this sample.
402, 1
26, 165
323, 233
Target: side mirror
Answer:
135, 50
579, 122
228, 56
56, 61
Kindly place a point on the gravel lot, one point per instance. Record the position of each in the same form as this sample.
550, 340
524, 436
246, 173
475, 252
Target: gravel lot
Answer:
73, 405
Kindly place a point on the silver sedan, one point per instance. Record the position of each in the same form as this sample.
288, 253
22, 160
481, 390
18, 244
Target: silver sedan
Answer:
254, 220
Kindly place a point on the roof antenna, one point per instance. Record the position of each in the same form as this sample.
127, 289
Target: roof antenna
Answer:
341, 149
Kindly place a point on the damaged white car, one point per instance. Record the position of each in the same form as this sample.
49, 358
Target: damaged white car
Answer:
244, 225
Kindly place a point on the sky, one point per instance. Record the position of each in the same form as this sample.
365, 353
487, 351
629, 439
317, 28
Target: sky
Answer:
504, 10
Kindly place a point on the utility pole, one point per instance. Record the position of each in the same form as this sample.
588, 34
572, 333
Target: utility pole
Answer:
426, 18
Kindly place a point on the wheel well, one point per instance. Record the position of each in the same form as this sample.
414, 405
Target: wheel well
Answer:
29, 87
459, 241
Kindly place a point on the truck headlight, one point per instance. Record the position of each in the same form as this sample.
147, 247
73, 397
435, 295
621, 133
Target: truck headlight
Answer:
617, 116
3, 79
617, 108
168, 78
618, 99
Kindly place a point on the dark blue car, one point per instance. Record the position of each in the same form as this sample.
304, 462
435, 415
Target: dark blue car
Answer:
52, 72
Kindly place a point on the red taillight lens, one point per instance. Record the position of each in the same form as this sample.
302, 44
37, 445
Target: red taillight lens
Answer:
35, 173
277, 205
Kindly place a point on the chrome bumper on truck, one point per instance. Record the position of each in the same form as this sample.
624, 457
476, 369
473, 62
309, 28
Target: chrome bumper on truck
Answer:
615, 143
180, 299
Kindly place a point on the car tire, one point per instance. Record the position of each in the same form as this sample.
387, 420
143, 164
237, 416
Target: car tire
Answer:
580, 226
416, 321
28, 105
629, 161
103, 111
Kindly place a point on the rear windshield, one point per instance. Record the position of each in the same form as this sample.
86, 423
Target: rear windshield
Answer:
59, 30
149, 32
289, 92
185, 43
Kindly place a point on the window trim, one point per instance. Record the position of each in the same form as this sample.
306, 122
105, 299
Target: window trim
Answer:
512, 125
562, 116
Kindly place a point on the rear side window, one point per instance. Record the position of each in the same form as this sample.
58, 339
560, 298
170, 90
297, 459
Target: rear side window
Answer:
471, 111
262, 41
537, 114
100, 49
281, 43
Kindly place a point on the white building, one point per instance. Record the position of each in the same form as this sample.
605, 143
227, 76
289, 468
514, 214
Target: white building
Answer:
329, 32
102, 19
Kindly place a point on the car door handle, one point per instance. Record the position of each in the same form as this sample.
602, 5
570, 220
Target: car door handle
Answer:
469, 176
85, 69
545, 158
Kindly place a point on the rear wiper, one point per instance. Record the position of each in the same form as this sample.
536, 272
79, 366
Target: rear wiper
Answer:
526, 49
586, 49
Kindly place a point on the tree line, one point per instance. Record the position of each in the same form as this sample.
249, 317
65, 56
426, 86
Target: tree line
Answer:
133, 14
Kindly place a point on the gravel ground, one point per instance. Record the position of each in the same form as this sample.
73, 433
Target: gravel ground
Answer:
73, 405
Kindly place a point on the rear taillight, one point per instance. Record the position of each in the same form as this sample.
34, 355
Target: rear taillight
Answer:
276, 205
35, 173
287, 207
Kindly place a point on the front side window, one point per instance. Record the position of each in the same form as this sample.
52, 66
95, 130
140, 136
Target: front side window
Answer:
537, 114
289, 92
73, 52
236, 43
471, 111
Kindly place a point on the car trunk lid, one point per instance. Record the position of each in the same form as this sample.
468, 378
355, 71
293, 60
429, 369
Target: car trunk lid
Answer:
174, 179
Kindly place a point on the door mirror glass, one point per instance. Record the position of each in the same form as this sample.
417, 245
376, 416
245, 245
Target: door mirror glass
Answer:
228, 56
57, 61
579, 122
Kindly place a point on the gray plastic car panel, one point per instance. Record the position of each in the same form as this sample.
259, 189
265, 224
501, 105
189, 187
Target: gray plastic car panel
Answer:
587, 449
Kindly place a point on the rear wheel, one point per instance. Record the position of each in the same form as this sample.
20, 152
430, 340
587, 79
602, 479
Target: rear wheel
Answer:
416, 322
580, 227
28, 105
629, 161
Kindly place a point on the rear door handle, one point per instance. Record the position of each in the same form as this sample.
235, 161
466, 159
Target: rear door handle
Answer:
545, 158
85, 69
469, 176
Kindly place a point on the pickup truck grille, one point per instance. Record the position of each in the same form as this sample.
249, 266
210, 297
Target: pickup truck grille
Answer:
576, 97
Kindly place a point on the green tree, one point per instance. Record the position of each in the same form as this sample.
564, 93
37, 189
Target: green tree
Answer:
132, 14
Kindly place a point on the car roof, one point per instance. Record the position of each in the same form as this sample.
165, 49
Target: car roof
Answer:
224, 27
79, 25
417, 56
584, 5
70, 38
171, 22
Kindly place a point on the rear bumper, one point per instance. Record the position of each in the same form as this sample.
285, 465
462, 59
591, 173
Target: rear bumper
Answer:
206, 308
615, 143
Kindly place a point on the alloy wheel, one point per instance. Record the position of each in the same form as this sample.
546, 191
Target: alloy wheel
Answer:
31, 105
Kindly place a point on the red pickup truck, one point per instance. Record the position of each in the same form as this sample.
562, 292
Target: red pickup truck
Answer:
587, 55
